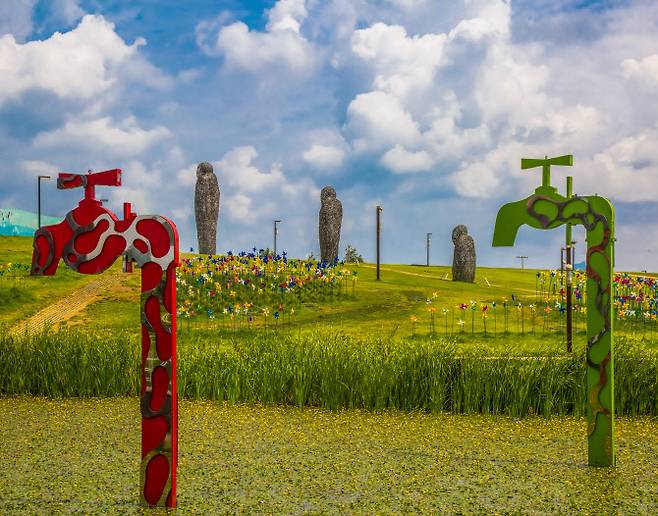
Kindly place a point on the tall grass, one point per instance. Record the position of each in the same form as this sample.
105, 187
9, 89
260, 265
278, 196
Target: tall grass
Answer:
330, 370
66, 364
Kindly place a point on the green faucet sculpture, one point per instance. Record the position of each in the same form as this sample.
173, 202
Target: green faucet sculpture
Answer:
547, 209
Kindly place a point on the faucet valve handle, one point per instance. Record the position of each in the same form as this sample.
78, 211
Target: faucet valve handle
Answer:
545, 164
66, 180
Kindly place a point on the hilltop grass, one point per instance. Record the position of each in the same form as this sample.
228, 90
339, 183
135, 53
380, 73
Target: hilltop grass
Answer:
82, 456
23, 297
14, 298
379, 309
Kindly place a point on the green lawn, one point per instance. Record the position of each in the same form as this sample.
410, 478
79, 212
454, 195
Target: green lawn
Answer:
23, 296
382, 309
378, 308
82, 456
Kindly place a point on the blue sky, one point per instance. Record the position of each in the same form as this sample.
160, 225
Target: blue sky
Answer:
422, 106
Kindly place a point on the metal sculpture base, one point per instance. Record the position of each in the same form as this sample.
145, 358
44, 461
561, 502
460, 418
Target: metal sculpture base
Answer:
547, 210
89, 240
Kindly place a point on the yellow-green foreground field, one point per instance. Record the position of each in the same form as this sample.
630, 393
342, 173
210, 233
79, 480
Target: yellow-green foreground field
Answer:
81, 456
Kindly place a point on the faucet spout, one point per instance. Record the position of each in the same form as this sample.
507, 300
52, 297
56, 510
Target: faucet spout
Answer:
510, 218
47, 248
538, 211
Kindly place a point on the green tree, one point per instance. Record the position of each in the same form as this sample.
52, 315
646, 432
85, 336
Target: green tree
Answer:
352, 256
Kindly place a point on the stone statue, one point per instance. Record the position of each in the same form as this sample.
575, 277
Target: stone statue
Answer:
463, 262
206, 208
331, 217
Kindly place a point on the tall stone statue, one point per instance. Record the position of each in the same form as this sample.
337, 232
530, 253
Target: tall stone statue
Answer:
463, 262
331, 217
206, 208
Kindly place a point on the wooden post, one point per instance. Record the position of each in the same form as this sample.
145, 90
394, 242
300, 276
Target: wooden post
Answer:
379, 210
276, 232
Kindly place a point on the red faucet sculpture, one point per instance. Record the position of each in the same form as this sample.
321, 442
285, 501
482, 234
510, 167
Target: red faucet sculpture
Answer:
89, 240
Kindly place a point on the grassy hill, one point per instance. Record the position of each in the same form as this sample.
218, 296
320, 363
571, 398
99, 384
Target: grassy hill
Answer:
378, 308
21, 295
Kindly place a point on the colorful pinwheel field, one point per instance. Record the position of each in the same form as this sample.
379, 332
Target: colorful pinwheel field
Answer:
258, 328
250, 289
544, 311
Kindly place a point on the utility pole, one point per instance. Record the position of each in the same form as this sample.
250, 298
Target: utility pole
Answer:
276, 232
39, 199
523, 259
428, 248
379, 210
569, 267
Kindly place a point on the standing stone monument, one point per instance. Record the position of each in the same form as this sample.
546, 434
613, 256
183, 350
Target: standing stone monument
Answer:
331, 217
206, 208
463, 262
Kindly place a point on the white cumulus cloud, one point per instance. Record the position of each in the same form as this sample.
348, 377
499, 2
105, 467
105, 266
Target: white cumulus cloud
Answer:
287, 15
379, 119
324, 156
125, 138
80, 64
401, 63
236, 169
36, 167
281, 43
476, 180
644, 70
407, 4
16, 18
626, 170
399, 159
67, 10
238, 207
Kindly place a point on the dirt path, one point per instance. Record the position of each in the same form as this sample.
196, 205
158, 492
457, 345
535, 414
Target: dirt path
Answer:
68, 306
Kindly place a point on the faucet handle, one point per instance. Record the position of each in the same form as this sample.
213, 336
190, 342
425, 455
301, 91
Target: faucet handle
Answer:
66, 180
545, 164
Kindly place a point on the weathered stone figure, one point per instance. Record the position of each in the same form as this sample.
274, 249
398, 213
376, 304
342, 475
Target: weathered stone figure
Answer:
331, 217
206, 208
463, 262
